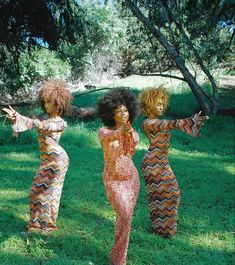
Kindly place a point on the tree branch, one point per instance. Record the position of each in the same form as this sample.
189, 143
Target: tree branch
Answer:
175, 56
153, 74
191, 46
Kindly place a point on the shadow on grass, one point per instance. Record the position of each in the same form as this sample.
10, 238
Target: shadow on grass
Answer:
11, 223
86, 219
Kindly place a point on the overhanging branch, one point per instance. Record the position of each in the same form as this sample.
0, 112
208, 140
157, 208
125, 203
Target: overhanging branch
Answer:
153, 74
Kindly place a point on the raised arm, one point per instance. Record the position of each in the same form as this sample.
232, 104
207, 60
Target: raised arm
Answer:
190, 125
22, 123
155, 125
54, 126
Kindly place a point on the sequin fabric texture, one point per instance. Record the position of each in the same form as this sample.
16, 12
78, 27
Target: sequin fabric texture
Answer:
121, 182
162, 187
48, 182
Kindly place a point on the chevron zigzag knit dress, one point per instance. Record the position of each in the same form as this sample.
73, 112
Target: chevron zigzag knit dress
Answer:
121, 181
48, 182
162, 187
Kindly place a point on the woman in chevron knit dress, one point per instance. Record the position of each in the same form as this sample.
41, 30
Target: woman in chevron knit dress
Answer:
117, 109
47, 184
162, 187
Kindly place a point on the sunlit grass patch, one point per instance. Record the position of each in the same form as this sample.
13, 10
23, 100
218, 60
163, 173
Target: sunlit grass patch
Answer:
6, 194
217, 241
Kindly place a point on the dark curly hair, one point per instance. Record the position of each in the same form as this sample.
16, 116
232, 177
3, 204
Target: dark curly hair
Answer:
58, 93
113, 99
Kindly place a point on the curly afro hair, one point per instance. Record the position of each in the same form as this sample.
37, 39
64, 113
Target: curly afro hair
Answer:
148, 98
113, 99
58, 93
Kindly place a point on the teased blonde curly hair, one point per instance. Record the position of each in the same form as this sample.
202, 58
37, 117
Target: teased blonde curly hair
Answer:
148, 99
58, 93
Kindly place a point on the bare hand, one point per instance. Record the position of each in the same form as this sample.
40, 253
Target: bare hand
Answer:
11, 113
127, 128
200, 119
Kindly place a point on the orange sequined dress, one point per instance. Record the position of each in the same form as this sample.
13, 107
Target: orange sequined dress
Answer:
161, 185
121, 182
48, 182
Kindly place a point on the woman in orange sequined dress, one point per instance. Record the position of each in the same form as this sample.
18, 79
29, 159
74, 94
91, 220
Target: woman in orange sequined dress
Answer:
162, 187
48, 182
117, 109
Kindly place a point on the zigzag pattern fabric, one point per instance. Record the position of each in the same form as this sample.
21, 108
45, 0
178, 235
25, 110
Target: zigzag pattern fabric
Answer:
162, 187
121, 181
48, 182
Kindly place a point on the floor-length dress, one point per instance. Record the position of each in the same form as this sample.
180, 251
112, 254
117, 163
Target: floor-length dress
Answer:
121, 182
162, 187
48, 182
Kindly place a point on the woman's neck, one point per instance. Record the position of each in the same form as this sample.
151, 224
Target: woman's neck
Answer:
117, 126
152, 115
53, 115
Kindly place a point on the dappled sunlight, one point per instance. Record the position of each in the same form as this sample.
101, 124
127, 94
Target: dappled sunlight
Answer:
13, 245
107, 214
142, 82
192, 154
20, 156
205, 161
19, 169
104, 212
90, 207
218, 241
216, 161
142, 146
203, 168
9, 194
81, 138
230, 169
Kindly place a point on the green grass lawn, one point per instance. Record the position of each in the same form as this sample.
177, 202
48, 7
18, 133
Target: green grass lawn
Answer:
204, 168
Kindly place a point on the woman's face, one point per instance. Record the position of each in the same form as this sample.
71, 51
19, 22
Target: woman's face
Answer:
49, 106
121, 115
159, 107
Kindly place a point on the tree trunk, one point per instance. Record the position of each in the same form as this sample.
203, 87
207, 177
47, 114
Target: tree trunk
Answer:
214, 98
84, 113
179, 61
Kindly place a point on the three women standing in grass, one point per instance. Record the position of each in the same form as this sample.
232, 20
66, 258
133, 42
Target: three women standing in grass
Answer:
162, 187
47, 185
117, 110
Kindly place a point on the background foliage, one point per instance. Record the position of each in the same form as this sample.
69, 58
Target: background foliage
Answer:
90, 41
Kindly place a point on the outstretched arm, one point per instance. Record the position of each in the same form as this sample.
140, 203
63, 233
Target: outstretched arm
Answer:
155, 125
190, 125
22, 123
55, 126
193, 124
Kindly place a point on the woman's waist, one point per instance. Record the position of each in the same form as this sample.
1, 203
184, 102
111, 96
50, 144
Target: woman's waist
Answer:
155, 162
111, 162
110, 176
49, 139
122, 169
159, 148
54, 152
157, 155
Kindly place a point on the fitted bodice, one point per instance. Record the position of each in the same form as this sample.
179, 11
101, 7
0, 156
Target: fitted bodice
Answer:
118, 150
